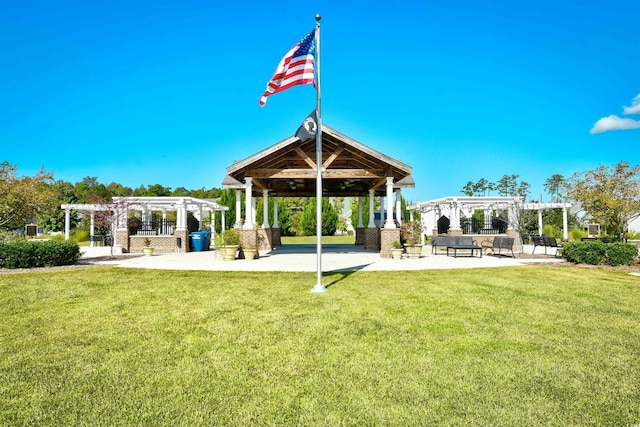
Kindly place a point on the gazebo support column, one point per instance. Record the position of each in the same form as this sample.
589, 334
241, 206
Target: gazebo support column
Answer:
387, 237
248, 205
360, 227
371, 233
238, 223
389, 223
275, 231
399, 206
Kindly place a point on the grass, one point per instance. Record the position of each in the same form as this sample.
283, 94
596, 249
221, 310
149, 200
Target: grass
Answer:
510, 346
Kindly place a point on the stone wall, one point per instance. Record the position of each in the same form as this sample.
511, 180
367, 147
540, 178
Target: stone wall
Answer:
122, 239
276, 240
360, 235
160, 244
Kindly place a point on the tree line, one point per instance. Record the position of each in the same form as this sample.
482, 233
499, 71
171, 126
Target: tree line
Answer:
609, 195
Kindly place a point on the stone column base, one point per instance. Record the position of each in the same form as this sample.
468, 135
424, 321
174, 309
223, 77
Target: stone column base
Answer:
248, 239
122, 239
454, 232
372, 239
265, 239
517, 241
183, 235
387, 237
276, 240
360, 235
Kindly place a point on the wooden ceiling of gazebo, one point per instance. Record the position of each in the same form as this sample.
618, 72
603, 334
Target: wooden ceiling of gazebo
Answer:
288, 168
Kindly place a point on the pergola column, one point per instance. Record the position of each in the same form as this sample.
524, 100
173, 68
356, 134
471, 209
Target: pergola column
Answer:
248, 204
223, 224
201, 213
565, 225
372, 223
238, 223
67, 223
92, 219
540, 222
265, 209
455, 216
398, 206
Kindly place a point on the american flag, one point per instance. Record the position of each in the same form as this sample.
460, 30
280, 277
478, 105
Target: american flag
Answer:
296, 68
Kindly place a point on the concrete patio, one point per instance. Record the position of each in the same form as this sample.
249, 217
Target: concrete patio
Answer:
303, 258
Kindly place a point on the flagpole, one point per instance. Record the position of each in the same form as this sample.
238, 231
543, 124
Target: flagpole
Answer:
319, 287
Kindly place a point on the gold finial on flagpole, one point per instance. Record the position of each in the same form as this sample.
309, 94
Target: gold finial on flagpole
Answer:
318, 17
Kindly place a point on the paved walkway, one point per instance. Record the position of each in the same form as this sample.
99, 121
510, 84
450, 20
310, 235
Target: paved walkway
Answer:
303, 258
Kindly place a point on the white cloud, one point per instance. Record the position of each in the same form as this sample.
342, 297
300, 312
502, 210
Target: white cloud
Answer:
635, 106
614, 122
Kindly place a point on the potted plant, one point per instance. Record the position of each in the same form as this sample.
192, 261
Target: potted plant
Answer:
228, 243
411, 234
250, 253
147, 250
396, 250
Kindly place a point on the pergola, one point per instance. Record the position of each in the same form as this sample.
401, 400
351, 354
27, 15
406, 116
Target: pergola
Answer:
454, 206
288, 169
121, 206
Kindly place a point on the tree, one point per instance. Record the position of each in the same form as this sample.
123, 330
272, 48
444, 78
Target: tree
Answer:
611, 195
329, 218
89, 190
64, 193
25, 198
554, 186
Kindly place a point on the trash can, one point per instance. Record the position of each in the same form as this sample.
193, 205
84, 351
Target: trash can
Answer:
199, 241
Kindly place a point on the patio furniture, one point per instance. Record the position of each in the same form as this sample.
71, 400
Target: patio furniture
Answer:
498, 244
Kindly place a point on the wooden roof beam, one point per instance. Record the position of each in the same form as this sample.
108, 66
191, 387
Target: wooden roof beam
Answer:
310, 174
332, 157
305, 157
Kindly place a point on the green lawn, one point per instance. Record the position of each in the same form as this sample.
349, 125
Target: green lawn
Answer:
510, 346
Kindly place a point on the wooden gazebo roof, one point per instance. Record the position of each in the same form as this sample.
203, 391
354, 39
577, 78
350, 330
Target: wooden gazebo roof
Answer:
288, 168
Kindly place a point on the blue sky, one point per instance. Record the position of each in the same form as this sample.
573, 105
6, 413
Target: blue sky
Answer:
142, 92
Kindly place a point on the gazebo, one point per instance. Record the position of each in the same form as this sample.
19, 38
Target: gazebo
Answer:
349, 169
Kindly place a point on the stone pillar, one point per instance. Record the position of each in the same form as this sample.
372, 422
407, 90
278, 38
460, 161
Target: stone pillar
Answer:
248, 239
517, 242
265, 209
398, 206
238, 223
372, 223
372, 239
248, 204
387, 237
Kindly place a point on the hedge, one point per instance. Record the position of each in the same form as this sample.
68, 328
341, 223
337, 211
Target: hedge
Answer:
28, 254
596, 252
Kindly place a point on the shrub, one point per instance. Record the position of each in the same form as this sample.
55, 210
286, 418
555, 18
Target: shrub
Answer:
80, 236
577, 234
596, 252
29, 254
619, 253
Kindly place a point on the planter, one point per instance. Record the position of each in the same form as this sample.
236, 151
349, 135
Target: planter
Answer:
250, 253
413, 251
229, 252
396, 253
147, 251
